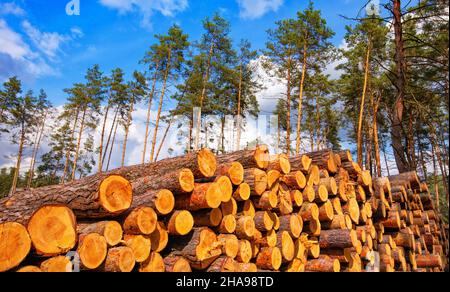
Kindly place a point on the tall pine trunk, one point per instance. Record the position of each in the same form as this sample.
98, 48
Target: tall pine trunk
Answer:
102, 136
35, 151
317, 128
163, 139
127, 129
77, 152
202, 98
111, 131
363, 102
189, 144
288, 107
19, 160
238, 114
161, 99
396, 127
376, 145
69, 149
112, 145
422, 159
149, 111
435, 178
300, 98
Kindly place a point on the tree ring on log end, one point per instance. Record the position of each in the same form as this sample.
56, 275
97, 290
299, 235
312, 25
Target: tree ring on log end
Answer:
186, 179
236, 173
262, 157
184, 222
15, 244
52, 229
115, 194
214, 196
226, 188
92, 250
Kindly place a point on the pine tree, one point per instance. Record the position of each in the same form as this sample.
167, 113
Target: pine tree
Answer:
136, 92
173, 48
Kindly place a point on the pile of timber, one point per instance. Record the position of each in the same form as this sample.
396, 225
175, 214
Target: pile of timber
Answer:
246, 211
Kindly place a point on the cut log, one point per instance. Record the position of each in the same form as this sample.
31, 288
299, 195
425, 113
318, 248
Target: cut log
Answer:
351, 208
222, 264
15, 244
92, 250
330, 184
200, 247
313, 177
256, 179
229, 208
267, 201
177, 264
338, 238
323, 264
338, 222
309, 211
269, 258
119, 259
180, 223
324, 159
309, 194
59, 264
242, 193
313, 227
321, 194
245, 252
293, 224
263, 221
326, 212
162, 201
296, 266
429, 261
52, 230
364, 178
159, 238
257, 158
178, 181
97, 196
110, 230
280, 162
228, 224
286, 246
300, 163
245, 227
140, 245
269, 240
272, 177
153, 264
226, 187
296, 198
141, 220
230, 244
248, 209
234, 170
210, 218
295, 180
246, 267
204, 196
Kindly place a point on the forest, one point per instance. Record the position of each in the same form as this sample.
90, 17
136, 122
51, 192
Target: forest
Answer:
392, 97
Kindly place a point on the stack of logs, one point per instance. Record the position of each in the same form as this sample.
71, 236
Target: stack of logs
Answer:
246, 211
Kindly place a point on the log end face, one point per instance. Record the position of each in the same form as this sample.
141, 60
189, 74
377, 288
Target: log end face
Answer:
126, 260
207, 163
226, 188
186, 179
165, 202
115, 194
93, 250
214, 196
113, 233
236, 173
184, 222
285, 165
147, 220
15, 244
262, 156
52, 230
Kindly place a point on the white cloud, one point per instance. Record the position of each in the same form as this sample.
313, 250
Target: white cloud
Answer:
252, 9
147, 7
10, 8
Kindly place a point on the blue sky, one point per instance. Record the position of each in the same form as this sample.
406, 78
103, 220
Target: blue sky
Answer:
49, 49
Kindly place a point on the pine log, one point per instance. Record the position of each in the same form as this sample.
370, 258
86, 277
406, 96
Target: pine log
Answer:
242, 193
178, 181
272, 177
263, 221
230, 244
141, 220
309, 194
204, 196
313, 177
245, 227
161, 201
280, 162
321, 194
153, 264
256, 179
110, 230
222, 264
296, 198
177, 264
228, 224
269, 258
92, 250
351, 208
300, 163
309, 211
267, 201
323, 264
330, 184
293, 224
295, 180
229, 208
140, 245
326, 212
256, 158
286, 246
180, 223
209, 218
15, 244
52, 230
159, 238
338, 238
97, 196
313, 227
245, 252
324, 159
200, 247
234, 170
